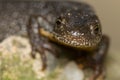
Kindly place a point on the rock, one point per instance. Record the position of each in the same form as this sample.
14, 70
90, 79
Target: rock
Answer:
71, 72
16, 61
37, 65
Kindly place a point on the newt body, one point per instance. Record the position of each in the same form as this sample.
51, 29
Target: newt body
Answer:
69, 26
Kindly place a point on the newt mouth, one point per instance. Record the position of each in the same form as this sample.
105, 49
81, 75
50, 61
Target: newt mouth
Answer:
83, 41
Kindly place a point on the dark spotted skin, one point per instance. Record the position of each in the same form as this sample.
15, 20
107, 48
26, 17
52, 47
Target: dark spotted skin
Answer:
66, 27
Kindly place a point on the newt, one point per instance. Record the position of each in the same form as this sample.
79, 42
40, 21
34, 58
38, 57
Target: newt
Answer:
57, 26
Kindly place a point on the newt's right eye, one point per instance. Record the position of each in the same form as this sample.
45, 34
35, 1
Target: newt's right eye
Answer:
59, 20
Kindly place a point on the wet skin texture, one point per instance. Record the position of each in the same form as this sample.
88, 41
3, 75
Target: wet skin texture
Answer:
70, 28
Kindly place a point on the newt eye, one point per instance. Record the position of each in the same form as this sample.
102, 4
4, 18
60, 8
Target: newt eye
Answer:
96, 30
58, 21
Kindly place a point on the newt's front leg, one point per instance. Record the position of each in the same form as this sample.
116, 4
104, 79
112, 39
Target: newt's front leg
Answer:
36, 39
98, 58
38, 43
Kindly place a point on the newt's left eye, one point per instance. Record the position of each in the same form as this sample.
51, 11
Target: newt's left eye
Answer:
96, 30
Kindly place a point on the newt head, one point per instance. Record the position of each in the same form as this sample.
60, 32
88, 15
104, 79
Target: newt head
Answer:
80, 30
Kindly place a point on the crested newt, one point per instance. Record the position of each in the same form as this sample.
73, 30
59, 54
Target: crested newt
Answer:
57, 26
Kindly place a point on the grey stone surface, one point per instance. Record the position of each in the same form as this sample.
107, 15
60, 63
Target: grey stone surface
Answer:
71, 72
15, 56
